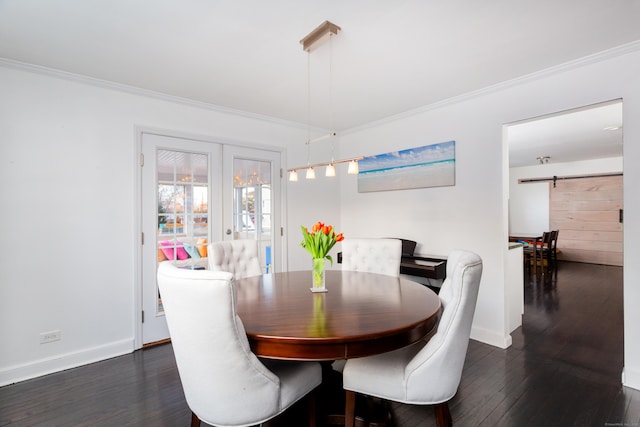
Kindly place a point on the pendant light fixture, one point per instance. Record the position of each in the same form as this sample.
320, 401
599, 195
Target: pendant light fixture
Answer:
330, 170
353, 167
311, 173
324, 30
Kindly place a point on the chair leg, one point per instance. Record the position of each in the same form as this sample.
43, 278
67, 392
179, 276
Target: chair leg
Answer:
443, 416
350, 409
195, 421
311, 398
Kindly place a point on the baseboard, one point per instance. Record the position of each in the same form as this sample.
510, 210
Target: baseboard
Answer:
630, 378
38, 368
490, 337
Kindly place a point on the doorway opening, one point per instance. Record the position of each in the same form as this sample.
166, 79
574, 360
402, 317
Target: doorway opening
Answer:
565, 173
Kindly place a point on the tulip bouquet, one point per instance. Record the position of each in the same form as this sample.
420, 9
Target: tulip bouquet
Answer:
318, 243
320, 240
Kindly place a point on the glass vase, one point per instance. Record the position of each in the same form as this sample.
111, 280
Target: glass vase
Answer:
318, 275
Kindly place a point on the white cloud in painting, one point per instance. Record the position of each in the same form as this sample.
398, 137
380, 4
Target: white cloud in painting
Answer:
411, 156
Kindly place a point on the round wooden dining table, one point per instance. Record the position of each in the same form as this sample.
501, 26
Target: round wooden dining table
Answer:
361, 314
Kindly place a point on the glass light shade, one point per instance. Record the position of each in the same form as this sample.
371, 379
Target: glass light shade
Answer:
293, 175
311, 174
331, 170
353, 167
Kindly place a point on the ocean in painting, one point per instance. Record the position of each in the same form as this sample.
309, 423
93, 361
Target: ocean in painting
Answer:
428, 166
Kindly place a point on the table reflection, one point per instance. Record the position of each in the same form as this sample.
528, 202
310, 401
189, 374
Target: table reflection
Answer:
362, 313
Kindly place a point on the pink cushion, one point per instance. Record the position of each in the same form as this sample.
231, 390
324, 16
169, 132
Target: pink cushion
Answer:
167, 250
181, 252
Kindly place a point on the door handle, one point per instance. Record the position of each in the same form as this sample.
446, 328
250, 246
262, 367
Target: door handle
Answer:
228, 232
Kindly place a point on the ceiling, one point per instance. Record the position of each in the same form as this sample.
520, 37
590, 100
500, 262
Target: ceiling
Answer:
586, 133
390, 57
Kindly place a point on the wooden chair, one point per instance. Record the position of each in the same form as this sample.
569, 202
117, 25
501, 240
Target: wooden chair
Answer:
552, 249
545, 251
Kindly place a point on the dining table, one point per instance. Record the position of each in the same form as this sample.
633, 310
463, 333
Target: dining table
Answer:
361, 314
529, 239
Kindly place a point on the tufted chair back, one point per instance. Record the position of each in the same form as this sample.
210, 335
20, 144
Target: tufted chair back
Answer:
380, 256
239, 257
429, 371
441, 360
224, 383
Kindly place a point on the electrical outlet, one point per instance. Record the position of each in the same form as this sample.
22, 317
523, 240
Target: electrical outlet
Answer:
46, 337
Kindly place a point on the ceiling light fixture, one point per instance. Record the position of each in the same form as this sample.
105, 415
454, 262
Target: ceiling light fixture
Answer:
544, 159
322, 32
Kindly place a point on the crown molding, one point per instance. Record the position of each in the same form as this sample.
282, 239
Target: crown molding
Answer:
581, 62
527, 78
106, 84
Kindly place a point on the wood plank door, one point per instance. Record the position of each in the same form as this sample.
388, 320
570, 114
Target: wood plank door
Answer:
587, 211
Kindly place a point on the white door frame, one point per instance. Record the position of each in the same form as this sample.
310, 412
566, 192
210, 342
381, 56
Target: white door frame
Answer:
137, 193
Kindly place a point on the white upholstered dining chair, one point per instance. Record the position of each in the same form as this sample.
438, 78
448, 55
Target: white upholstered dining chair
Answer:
224, 383
380, 256
370, 255
239, 257
429, 371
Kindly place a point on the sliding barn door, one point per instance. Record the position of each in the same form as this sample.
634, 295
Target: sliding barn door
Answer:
588, 213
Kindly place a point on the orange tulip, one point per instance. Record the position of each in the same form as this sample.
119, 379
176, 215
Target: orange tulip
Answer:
320, 240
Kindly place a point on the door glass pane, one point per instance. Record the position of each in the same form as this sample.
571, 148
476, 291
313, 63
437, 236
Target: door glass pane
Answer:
183, 213
252, 205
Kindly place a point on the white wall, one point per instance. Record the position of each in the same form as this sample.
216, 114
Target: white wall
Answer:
473, 214
529, 202
311, 201
67, 162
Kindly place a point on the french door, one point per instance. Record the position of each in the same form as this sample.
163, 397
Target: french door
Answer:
195, 192
249, 176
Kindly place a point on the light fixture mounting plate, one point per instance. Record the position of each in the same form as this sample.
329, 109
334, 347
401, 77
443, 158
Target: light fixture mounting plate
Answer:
316, 35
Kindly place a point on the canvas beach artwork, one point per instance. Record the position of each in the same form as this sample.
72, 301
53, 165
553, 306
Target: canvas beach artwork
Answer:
427, 166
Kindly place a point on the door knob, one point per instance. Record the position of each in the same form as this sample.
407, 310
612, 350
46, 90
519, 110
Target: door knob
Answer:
228, 232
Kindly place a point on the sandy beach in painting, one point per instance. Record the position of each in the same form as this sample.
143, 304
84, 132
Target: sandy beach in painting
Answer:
435, 174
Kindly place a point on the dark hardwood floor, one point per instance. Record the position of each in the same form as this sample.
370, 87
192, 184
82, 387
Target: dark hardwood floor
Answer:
563, 369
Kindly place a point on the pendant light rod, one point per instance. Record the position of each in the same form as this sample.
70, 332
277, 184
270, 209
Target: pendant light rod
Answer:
318, 165
323, 137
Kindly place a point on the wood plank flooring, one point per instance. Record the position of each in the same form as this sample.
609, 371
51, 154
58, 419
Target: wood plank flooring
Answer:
563, 369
